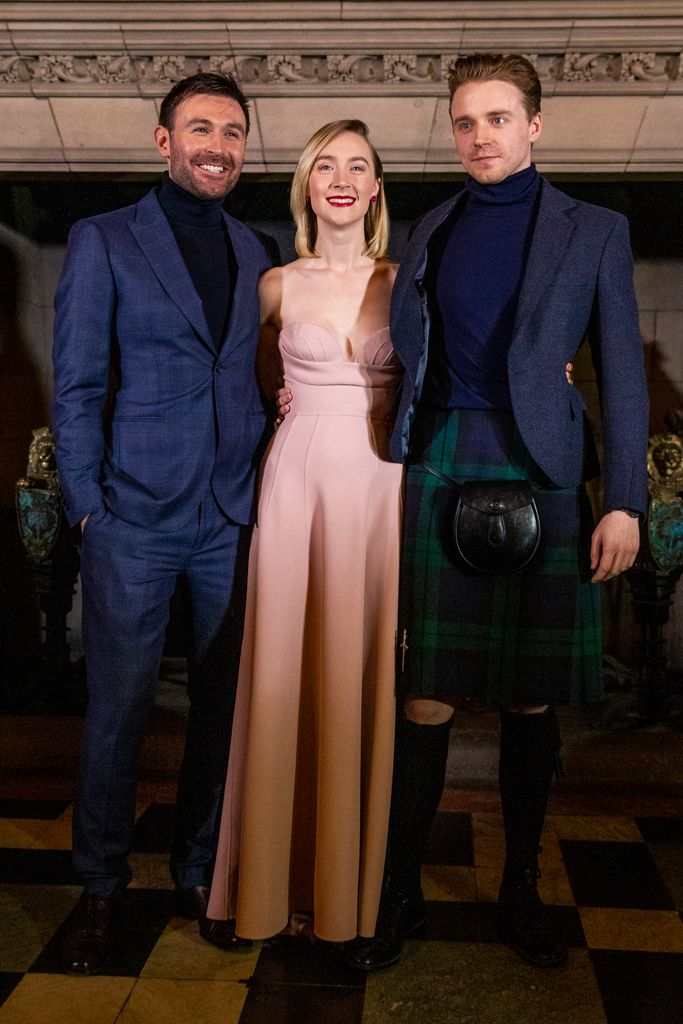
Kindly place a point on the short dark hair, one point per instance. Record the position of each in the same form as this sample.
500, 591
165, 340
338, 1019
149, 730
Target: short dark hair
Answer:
205, 82
489, 67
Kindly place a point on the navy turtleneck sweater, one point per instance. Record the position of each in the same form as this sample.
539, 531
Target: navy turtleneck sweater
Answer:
204, 243
477, 262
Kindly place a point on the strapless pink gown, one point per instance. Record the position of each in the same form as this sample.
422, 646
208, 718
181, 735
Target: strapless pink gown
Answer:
306, 806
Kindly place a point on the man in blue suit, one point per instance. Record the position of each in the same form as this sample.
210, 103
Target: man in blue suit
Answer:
496, 291
157, 321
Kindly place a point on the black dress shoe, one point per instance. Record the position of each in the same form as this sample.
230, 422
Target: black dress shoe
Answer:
88, 935
523, 923
400, 916
193, 904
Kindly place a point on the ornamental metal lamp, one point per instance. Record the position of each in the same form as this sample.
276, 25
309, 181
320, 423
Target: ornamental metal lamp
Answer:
655, 574
53, 564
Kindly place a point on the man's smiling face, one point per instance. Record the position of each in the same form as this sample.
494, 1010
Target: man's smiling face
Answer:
205, 146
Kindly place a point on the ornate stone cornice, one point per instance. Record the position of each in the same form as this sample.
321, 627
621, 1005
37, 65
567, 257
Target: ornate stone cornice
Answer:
304, 73
80, 81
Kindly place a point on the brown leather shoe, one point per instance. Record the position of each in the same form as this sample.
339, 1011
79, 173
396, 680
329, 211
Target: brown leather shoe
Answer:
193, 904
88, 935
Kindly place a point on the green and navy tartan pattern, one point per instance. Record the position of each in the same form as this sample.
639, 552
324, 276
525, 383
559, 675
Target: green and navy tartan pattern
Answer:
531, 637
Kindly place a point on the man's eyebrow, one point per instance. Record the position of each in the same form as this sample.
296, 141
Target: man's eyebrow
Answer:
208, 121
489, 113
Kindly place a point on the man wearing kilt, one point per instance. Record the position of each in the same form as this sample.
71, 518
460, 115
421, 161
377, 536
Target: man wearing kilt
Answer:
497, 290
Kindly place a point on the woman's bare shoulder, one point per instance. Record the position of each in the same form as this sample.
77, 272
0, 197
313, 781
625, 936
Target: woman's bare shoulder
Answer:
270, 294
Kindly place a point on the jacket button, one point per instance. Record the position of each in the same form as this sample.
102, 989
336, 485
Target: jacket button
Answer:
219, 368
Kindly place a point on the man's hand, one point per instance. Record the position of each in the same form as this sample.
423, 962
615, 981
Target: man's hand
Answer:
614, 545
283, 400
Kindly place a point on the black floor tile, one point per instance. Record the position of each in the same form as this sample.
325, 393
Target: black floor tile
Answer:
147, 909
154, 829
298, 962
640, 988
141, 917
39, 867
460, 922
303, 1004
8, 982
478, 922
614, 875
46, 810
450, 840
660, 830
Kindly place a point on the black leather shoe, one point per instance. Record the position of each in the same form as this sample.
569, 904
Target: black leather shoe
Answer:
523, 923
87, 935
400, 916
193, 904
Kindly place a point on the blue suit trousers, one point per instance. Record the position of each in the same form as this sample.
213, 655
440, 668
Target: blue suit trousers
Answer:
128, 575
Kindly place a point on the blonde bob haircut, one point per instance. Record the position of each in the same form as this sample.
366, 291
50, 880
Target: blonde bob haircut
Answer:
376, 219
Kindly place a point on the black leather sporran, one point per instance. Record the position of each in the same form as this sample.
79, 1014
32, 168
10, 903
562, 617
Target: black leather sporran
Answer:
496, 526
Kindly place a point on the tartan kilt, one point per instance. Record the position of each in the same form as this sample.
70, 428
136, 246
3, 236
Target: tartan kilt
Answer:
533, 636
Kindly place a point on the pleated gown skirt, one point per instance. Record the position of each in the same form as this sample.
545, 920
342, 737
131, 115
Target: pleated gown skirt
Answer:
306, 806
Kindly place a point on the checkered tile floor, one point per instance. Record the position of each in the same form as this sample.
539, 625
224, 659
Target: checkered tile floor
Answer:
612, 877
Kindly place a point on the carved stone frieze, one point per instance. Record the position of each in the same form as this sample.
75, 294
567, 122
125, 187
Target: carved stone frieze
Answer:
401, 72
646, 67
13, 70
357, 67
590, 67
246, 68
166, 70
411, 67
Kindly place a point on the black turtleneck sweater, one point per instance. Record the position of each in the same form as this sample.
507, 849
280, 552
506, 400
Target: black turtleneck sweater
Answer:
478, 261
204, 243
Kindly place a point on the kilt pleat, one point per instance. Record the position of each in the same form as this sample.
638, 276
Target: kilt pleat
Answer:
533, 636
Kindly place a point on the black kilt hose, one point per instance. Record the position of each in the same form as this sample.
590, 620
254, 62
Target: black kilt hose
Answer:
533, 636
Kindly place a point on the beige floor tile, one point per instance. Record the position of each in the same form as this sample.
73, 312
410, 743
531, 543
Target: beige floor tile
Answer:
651, 931
141, 806
448, 882
19, 833
463, 983
597, 828
150, 871
184, 1002
551, 851
553, 885
29, 916
55, 835
180, 952
487, 824
58, 999
489, 851
487, 883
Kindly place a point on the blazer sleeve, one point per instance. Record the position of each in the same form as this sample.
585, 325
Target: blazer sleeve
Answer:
617, 351
84, 311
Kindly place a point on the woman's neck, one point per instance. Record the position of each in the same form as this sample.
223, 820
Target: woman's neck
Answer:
340, 249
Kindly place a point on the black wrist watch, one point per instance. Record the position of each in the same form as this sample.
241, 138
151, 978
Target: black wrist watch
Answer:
629, 512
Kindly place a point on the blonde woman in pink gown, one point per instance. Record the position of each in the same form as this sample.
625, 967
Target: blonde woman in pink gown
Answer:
306, 805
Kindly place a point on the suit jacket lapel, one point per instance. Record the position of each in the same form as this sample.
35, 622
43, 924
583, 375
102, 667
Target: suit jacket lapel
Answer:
552, 234
240, 283
414, 259
157, 241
